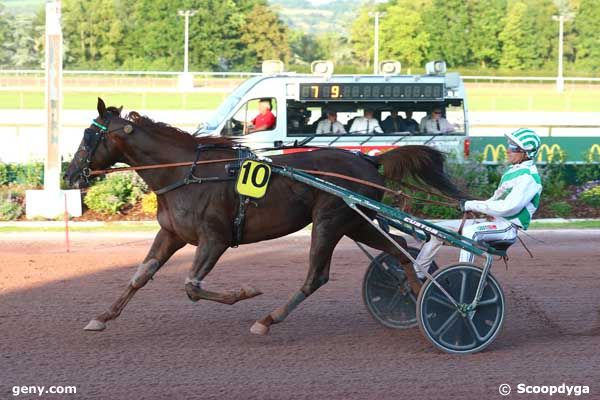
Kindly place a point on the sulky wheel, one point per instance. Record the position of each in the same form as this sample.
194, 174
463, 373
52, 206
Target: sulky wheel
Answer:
386, 292
460, 330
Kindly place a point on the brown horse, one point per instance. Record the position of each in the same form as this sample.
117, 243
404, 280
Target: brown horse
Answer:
203, 214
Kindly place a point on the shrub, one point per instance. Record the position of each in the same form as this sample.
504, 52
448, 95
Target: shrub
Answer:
10, 209
561, 209
110, 195
4, 174
554, 179
439, 211
475, 178
591, 196
587, 172
31, 175
149, 203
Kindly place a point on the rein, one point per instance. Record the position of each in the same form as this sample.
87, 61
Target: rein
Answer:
154, 166
308, 171
380, 187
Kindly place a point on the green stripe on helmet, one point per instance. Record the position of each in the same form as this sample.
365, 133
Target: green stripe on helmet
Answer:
520, 132
528, 143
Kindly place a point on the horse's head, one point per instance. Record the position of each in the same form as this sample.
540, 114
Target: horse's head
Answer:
98, 148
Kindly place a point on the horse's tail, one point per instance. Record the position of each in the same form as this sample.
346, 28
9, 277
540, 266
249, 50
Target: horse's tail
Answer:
423, 163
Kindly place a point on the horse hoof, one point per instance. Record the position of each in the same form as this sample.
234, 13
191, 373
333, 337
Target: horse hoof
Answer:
250, 292
95, 325
259, 329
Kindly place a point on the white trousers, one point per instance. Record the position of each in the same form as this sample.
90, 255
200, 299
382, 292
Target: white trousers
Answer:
498, 229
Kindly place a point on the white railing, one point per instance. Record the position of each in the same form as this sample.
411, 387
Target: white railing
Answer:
131, 73
249, 74
473, 78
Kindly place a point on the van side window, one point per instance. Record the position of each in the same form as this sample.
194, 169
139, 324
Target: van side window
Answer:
254, 116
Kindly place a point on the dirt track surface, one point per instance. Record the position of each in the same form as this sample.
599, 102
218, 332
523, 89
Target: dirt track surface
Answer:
164, 346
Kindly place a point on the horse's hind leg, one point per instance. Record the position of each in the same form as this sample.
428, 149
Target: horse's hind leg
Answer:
325, 236
369, 235
207, 255
164, 246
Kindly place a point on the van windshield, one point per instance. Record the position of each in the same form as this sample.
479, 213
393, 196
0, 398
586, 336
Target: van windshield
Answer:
228, 105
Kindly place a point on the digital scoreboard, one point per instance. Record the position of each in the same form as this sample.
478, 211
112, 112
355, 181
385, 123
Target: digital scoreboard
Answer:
371, 91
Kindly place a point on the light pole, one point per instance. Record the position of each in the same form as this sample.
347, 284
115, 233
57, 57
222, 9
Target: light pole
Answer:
560, 81
186, 80
377, 15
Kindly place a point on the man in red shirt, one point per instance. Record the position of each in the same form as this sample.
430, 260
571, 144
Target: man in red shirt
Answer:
265, 120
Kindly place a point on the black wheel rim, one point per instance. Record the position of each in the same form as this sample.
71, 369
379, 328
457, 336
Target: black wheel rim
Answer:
387, 293
445, 325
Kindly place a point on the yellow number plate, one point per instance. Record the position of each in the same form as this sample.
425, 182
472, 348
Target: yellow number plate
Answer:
253, 179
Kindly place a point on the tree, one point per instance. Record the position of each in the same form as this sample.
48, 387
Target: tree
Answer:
361, 36
514, 37
24, 54
153, 35
587, 27
403, 33
447, 23
306, 47
5, 36
264, 36
93, 34
485, 27
527, 36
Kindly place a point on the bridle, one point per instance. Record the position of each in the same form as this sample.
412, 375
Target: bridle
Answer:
91, 140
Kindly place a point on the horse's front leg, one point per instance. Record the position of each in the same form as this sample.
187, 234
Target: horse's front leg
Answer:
164, 246
207, 255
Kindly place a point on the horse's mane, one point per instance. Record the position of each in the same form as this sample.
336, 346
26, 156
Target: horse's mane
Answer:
171, 131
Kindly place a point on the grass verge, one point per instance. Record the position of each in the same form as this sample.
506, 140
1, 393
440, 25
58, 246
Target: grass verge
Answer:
594, 224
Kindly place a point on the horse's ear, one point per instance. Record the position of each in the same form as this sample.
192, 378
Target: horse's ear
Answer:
120, 110
101, 107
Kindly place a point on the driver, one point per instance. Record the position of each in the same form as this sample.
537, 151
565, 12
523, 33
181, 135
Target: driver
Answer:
509, 209
265, 119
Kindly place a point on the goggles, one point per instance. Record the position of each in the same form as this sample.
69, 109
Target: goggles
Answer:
514, 148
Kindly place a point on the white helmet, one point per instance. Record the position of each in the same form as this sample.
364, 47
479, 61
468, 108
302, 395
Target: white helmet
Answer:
527, 140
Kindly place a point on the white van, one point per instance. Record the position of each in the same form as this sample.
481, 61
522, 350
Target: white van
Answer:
300, 101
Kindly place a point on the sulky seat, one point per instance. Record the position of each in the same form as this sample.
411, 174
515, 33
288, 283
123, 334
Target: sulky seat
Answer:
501, 245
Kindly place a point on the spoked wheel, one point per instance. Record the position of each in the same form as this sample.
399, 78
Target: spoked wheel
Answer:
460, 330
386, 292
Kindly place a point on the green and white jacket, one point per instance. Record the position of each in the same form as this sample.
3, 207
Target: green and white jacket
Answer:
517, 197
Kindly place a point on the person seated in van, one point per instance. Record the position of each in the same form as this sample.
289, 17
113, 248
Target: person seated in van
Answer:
394, 123
315, 124
297, 120
265, 119
410, 124
330, 126
366, 125
435, 123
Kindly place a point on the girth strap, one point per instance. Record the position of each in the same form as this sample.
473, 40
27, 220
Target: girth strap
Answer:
240, 219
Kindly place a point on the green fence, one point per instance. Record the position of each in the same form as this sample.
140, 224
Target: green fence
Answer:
570, 150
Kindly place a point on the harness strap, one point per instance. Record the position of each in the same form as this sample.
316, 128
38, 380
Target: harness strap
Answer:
314, 172
191, 178
154, 166
187, 181
240, 219
374, 185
